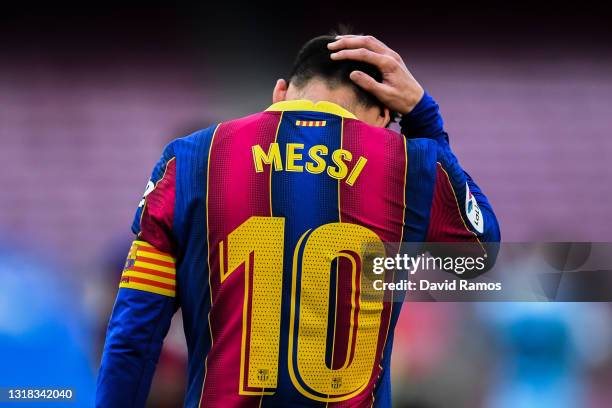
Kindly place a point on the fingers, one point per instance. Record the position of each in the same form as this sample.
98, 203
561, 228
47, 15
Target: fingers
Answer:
360, 41
369, 84
383, 62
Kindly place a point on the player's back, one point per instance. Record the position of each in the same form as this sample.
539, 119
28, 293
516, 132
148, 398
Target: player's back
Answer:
291, 195
255, 228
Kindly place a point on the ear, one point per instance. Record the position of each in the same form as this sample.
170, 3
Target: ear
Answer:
280, 91
383, 118
387, 115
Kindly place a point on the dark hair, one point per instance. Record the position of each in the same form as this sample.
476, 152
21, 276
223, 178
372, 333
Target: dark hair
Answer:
313, 61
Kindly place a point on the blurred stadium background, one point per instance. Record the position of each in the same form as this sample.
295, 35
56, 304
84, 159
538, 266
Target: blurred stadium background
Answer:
89, 97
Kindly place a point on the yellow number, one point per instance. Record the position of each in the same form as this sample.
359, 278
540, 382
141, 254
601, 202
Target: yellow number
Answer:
322, 246
261, 239
259, 236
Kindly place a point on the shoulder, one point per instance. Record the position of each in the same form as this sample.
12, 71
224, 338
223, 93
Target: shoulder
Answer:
427, 148
422, 157
363, 128
192, 145
379, 143
196, 146
415, 146
190, 150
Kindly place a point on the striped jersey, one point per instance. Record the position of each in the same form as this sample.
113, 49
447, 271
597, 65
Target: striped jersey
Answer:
254, 229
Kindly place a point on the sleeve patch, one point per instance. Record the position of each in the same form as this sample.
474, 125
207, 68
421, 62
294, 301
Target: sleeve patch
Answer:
150, 187
446, 221
472, 210
149, 270
157, 213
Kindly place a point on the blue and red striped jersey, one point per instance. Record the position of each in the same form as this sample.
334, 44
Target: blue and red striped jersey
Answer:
253, 228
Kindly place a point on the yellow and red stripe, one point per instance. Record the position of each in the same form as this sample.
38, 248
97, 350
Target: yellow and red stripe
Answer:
150, 270
311, 123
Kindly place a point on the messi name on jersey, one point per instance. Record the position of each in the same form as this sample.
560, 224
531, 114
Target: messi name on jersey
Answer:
314, 163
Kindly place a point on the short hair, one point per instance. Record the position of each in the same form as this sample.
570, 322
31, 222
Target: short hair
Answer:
313, 61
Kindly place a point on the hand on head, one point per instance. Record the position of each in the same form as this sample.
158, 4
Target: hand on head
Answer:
399, 91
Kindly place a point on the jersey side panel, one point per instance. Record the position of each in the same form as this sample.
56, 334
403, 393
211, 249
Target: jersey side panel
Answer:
192, 271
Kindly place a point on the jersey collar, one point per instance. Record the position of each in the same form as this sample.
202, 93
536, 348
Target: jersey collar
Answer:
306, 105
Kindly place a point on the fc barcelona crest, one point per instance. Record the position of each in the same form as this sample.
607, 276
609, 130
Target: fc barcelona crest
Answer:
262, 374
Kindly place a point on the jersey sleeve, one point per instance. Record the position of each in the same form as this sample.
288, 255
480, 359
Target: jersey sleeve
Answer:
460, 211
146, 300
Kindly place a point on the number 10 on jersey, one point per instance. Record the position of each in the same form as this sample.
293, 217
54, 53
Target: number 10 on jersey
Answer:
258, 243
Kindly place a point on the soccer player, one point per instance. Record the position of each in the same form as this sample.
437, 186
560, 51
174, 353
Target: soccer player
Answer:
254, 227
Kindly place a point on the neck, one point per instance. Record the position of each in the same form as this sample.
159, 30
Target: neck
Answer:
317, 91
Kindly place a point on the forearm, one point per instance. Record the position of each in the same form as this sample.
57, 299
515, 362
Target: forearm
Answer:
424, 121
134, 340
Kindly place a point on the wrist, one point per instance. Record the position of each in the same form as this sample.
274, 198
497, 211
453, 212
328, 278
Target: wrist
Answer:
424, 120
412, 102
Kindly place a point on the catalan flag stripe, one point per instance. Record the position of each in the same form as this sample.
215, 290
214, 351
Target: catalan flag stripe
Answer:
311, 123
150, 277
153, 273
152, 282
153, 255
156, 262
149, 288
150, 266
149, 270
153, 250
